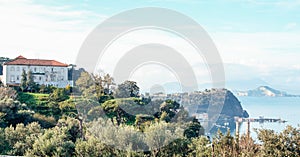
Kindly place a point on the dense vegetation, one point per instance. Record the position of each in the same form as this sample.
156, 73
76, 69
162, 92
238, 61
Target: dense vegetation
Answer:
99, 118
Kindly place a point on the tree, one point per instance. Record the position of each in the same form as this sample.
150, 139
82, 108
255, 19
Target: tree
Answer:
43, 89
142, 121
108, 81
93, 147
30, 81
285, 143
90, 85
72, 125
94, 86
21, 138
68, 107
84, 82
84, 105
68, 88
98, 86
14, 112
161, 134
224, 144
167, 110
23, 84
248, 147
54, 142
194, 129
3, 143
120, 137
200, 147
127, 89
178, 147
113, 110
6, 92
44, 121
59, 95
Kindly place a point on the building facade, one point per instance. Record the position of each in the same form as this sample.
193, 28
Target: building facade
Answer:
45, 72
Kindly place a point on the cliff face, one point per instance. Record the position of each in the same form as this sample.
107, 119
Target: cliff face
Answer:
232, 106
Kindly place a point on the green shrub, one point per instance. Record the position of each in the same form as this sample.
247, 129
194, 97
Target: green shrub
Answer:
59, 95
44, 121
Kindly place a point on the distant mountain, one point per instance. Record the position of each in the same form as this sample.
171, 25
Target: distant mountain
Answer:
265, 91
233, 85
245, 84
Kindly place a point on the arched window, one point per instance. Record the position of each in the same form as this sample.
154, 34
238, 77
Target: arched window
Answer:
12, 78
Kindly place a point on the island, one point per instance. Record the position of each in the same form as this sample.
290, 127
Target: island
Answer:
266, 91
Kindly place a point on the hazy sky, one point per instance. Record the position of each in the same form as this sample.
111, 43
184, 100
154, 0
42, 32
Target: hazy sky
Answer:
256, 39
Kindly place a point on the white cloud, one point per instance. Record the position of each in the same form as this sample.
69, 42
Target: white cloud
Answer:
139, 37
270, 48
40, 31
57, 33
290, 25
288, 4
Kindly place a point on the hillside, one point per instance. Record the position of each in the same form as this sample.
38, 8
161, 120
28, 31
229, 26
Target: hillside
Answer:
210, 106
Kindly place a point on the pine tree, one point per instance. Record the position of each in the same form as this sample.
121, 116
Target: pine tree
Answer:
23, 84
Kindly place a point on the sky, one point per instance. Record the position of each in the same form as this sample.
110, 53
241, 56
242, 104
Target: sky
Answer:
257, 40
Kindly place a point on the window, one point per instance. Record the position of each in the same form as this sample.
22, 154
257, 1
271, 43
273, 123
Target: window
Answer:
34, 69
52, 69
18, 78
18, 68
12, 78
12, 69
40, 78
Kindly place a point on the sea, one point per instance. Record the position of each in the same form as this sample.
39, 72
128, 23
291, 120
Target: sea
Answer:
286, 108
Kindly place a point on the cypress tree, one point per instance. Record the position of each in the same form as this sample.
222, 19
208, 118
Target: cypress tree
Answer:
30, 82
23, 84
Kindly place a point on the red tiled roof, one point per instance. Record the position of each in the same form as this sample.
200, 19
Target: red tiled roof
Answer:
20, 57
20, 60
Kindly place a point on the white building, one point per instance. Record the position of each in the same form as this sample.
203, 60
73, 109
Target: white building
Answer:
45, 72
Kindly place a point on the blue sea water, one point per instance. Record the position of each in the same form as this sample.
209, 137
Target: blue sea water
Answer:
286, 108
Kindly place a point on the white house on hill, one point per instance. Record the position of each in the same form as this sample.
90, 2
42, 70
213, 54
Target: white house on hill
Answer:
45, 72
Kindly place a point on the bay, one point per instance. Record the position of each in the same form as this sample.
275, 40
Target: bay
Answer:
286, 108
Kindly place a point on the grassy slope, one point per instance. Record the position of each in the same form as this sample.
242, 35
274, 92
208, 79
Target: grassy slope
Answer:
33, 99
